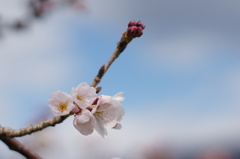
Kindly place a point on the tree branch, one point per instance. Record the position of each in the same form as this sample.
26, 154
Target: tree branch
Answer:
121, 45
4, 131
134, 30
15, 145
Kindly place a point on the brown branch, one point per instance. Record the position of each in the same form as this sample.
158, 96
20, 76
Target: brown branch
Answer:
4, 131
119, 49
134, 30
15, 145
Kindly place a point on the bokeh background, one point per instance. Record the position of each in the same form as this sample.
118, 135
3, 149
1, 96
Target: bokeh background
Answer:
181, 79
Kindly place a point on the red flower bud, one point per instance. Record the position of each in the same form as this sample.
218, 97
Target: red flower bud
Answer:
131, 32
132, 23
139, 32
134, 30
140, 24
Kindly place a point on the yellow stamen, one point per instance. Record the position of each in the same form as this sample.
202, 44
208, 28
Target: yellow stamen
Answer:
92, 106
62, 106
81, 98
99, 114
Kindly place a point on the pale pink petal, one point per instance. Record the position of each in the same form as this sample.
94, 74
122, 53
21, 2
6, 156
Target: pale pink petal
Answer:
84, 122
84, 95
107, 114
117, 126
76, 109
61, 103
99, 127
119, 110
118, 97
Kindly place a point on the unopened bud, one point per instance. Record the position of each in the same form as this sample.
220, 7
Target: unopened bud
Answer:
139, 32
132, 23
135, 29
140, 24
131, 31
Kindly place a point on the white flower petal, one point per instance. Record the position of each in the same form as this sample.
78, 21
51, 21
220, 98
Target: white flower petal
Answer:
118, 126
61, 103
99, 127
108, 113
84, 122
84, 95
118, 97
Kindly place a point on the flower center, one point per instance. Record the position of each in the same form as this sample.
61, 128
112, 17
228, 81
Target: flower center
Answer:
99, 114
62, 106
80, 97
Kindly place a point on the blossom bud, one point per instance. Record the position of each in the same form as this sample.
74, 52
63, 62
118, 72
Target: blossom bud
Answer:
140, 24
135, 29
132, 23
131, 31
139, 31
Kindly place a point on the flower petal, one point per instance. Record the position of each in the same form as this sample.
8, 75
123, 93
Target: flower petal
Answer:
84, 95
99, 127
118, 126
118, 97
61, 103
84, 122
108, 113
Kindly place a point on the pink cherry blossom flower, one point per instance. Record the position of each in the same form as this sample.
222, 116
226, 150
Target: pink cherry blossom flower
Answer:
83, 95
61, 103
108, 113
84, 122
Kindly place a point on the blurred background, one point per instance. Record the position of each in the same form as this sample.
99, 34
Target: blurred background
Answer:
181, 79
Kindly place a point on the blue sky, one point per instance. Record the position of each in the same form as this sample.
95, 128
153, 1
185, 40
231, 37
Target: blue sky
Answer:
181, 78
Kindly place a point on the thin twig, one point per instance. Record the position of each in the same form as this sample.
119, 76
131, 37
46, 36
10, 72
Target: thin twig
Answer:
15, 145
134, 30
120, 47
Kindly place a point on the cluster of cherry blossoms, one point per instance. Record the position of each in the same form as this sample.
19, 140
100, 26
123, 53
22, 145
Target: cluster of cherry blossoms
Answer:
91, 111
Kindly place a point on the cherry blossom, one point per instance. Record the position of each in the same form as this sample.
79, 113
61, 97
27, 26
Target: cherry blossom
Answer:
108, 113
61, 103
83, 95
91, 112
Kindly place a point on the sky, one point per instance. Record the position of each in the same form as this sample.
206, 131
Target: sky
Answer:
180, 79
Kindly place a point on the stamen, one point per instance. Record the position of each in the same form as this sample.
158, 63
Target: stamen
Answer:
99, 114
80, 97
62, 106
